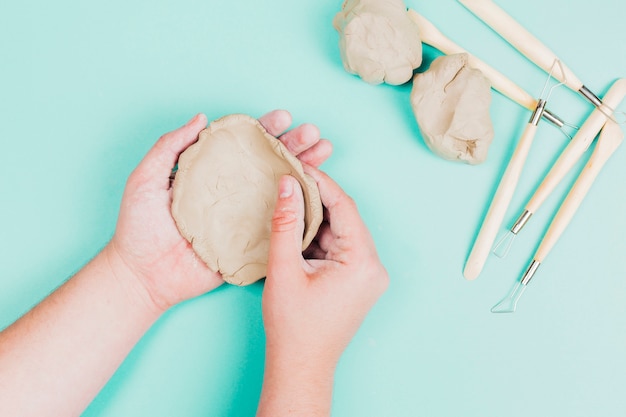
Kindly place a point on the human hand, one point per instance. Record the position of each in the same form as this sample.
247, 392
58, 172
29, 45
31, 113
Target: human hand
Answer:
313, 305
147, 246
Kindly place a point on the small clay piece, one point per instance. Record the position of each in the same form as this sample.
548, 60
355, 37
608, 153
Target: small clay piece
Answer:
225, 192
378, 41
451, 105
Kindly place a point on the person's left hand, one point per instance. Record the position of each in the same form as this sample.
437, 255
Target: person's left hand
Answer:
147, 246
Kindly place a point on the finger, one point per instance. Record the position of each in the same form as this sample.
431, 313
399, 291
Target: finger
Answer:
343, 216
156, 166
301, 138
326, 216
325, 237
276, 122
317, 154
285, 254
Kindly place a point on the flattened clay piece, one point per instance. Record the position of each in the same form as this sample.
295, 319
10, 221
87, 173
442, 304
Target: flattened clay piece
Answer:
378, 41
451, 105
225, 192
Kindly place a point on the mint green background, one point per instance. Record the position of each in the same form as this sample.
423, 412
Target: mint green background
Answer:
87, 87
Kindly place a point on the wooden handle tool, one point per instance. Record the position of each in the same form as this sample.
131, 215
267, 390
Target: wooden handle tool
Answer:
575, 149
608, 142
501, 199
522, 40
432, 36
610, 139
579, 144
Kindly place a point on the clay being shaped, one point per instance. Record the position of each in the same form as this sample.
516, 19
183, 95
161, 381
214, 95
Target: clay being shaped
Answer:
378, 41
451, 105
224, 195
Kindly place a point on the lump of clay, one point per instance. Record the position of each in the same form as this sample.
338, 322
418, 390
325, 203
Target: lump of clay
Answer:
451, 105
225, 192
378, 41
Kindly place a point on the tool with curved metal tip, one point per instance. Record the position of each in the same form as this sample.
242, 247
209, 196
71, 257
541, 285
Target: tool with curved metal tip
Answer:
527, 44
610, 139
506, 188
432, 36
503, 245
501, 199
574, 150
509, 303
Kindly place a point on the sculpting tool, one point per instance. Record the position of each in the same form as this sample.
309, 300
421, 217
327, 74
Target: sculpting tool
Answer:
491, 224
610, 139
504, 193
522, 40
575, 149
432, 36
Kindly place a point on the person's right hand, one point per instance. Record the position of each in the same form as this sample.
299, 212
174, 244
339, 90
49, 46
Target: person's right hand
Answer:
313, 307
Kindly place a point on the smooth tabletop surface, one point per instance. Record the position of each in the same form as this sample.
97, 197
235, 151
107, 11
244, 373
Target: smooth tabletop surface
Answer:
87, 87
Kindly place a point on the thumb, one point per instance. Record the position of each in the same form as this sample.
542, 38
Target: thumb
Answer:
285, 254
158, 163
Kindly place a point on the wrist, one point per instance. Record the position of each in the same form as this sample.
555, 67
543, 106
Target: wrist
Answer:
300, 369
307, 366
296, 385
129, 282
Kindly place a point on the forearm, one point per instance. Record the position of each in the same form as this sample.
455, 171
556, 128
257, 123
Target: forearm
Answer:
296, 386
55, 359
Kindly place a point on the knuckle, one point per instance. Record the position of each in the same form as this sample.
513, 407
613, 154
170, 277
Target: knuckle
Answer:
284, 219
383, 280
163, 138
136, 178
342, 201
161, 144
349, 202
379, 278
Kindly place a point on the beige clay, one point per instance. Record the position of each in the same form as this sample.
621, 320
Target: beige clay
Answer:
451, 105
224, 195
378, 41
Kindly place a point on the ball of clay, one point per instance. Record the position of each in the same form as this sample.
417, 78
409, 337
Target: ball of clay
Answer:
451, 105
378, 41
224, 195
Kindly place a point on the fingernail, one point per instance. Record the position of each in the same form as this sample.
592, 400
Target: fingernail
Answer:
285, 187
193, 119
